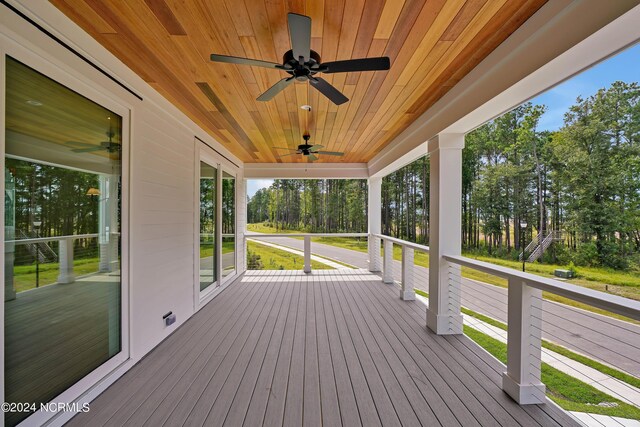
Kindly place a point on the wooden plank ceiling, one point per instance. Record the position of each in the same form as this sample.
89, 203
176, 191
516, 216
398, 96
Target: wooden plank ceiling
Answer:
432, 45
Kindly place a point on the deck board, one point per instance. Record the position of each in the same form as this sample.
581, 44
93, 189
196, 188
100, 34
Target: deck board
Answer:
336, 347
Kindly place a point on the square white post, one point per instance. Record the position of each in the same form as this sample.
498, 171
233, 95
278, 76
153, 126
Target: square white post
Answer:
65, 259
107, 223
406, 292
307, 254
374, 211
387, 267
445, 222
524, 323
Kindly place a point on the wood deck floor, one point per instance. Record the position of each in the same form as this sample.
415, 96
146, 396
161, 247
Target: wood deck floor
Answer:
56, 335
336, 347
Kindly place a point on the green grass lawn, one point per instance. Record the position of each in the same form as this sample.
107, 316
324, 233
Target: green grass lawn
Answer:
568, 392
614, 282
276, 259
24, 276
227, 247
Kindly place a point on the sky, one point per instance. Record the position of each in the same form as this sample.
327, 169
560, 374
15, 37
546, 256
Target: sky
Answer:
254, 185
624, 66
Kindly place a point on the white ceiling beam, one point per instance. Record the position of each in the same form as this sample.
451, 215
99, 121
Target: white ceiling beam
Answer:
560, 40
305, 170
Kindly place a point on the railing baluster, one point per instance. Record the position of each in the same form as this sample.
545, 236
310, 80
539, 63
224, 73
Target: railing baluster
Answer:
406, 292
374, 254
387, 267
522, 379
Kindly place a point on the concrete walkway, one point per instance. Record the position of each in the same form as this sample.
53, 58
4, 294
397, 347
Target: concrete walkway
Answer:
605, 339
595, 420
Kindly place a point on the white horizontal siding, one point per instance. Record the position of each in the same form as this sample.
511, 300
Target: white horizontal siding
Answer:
162, 196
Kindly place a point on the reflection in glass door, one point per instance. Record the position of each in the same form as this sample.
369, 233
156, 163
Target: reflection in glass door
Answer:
228, 224
62, 283
208, 260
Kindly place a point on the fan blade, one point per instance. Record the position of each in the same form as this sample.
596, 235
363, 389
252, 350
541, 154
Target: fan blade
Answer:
287, 155
275, 89
284, 148
243, 61
78, 144
87, 150
327, 90
315, 147
312, 157
300, 33
331, 153
364, 64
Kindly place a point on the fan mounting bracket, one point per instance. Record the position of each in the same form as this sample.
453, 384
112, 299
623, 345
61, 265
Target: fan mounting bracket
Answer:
300, 70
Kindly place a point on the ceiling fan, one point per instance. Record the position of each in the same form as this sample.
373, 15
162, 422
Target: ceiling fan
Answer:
84, 147
303, 64
309, 150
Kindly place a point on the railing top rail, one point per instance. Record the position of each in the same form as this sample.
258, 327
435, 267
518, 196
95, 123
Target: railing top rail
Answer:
50, 239
613, 303
258, 235
415, 246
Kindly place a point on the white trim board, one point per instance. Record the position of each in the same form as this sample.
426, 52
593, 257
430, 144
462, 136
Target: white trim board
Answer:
305, 170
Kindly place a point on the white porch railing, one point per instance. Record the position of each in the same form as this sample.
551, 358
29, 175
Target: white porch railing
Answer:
524, 318
66, 252
307, 241
524, 311
408, 262
524, 302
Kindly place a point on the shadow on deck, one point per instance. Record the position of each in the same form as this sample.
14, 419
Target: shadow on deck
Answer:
335, 347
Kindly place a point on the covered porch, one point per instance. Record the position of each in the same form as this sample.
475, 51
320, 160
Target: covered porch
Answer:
200, 339
334, 347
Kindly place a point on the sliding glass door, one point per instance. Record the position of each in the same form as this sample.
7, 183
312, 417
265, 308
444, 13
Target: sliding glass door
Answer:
62, 221
215, 252
228, 224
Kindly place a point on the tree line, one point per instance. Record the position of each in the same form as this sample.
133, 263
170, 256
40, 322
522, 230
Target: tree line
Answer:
581, 181
311, 205
55, 197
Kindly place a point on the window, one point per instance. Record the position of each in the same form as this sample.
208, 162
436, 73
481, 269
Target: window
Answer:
62, 198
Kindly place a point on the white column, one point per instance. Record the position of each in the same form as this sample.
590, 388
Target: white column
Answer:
65, 259
107, 223
524, 322
406, 292
374, 212
445, 222
307, 254
387, 267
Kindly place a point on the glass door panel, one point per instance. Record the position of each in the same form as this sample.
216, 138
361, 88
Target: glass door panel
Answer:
208, 261
62, 283
228, 224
